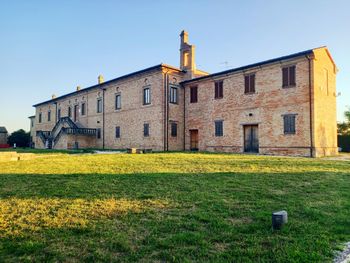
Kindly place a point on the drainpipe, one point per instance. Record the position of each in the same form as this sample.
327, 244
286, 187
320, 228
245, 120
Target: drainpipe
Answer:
103, 118
310, 107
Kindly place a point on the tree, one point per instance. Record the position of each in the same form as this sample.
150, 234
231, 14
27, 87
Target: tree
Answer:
20, 138
344, 127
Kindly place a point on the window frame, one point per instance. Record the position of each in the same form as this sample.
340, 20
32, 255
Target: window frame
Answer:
58, 114
219, 89
146, 128
173, 129
117, 132
250, 89
289, 123
118, 106
173, 94
146, 100
219, 128
69, 111
194, 94
40, 117
99, 108
287, 82
83, 109
49, 115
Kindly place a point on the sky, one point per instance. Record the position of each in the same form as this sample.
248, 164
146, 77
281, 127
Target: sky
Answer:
50, 47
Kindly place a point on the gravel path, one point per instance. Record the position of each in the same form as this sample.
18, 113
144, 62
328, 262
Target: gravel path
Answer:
343, 256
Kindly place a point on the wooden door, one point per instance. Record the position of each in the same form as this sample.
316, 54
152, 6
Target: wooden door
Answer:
194, 140
251, 138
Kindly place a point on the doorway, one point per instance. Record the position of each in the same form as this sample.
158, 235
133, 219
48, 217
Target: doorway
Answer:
194, 140
251, 138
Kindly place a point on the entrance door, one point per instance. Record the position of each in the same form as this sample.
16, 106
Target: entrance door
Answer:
251, 138
75, 112
194, 140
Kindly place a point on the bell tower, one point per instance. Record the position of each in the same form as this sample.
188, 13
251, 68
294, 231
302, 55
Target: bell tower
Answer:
187, 55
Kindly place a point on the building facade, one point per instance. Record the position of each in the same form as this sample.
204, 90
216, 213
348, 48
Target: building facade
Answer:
283, 106
3, 136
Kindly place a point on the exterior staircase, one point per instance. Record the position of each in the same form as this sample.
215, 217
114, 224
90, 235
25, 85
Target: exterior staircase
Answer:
50, 138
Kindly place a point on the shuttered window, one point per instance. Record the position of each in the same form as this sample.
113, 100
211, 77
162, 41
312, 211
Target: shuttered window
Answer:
117, 132
249, 83
288, 77
146, 96
289, 123
118, 102
219, 128
194, 94
146, 129
174, 129
173, 95
219, 89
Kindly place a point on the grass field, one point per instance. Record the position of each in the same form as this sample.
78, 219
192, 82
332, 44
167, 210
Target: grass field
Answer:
172, 207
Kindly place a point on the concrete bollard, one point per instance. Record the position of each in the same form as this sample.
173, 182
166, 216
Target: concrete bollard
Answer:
279, 219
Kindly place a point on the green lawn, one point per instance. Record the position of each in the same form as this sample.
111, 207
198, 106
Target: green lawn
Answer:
172, 207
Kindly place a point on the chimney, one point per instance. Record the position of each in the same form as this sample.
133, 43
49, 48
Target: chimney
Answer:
187, 56
100, 79
78, 88
53, 96
184, 37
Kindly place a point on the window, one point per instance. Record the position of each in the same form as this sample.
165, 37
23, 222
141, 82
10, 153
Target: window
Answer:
117, 132
249, 83
146, 129
83, 108
69, 112
99, 105
40, 117
288, 76
173, 129
118, 102
289, 123
173, 94
219, 131
32, 122
194, 94
219, 89
98, 133
146, 96
59, 114
49, 115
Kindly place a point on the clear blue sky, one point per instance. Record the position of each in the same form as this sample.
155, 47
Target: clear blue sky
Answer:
50, 47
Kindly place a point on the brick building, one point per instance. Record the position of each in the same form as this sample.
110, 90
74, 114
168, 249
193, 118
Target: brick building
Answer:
283, 106
3, 135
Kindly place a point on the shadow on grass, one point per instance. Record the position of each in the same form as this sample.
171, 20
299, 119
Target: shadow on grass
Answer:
212, 216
